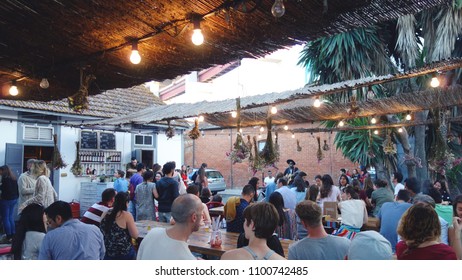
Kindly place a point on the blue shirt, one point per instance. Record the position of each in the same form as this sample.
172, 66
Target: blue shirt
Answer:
389, 214
270, 188
73, 240
237, 225
121, 185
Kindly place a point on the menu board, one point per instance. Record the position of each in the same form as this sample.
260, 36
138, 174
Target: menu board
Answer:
107, 141
88, 140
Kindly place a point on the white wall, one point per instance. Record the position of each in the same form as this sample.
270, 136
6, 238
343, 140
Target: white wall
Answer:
124, 145
9, 132
169, 150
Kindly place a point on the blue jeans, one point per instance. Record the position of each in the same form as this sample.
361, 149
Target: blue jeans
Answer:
7, 212
165, 217
132, 208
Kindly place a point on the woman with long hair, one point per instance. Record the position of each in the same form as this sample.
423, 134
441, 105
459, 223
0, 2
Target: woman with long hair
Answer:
255, 183
343, 181
300, 186
287, 222
368, 187
44, 193
30, 233
118, 228
145, 194
260, 222
9, 199
312, 193
354, 213
442, 187
184, 174
328, 191
420, 231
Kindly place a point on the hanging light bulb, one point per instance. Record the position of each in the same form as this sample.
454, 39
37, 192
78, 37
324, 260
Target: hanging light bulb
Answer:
274, 110
400, 130
278, 8
13, 89
201, 118
135, 57
286, 127
197, 37
434, 82
373, 120
259, 136
234, 114
262, 129
293, 135
44, 83
240, 130
376, 132
341, 123
317, 102
408, 117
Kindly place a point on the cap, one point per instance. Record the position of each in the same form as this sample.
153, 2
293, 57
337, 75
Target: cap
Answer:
369, 245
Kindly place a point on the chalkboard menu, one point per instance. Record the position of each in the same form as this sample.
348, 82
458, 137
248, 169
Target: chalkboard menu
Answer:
107, 141
88, 140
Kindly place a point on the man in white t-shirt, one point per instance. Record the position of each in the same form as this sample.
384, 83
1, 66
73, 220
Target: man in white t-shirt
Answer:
397, 179
269, 178
171, 243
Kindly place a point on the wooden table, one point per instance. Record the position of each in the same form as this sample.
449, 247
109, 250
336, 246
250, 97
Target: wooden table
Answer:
199, 241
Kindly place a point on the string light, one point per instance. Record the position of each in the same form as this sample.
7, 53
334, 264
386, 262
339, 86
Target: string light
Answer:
274, 110
376, 132
293, 135
317, 102
400, 130
259, 136
240, 130
278, 9
44, 83
197, 37
286, 127
13, 89
201, 118
135, 57
341, 124
262, 129
434, 82
234, 114
408, 117
373, 120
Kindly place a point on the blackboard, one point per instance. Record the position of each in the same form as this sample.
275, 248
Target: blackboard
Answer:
107, 141
88, 140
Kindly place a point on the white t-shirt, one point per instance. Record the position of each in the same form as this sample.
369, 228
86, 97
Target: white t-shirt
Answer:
353, 212
268, 180
398, 187
332, 197
157, 245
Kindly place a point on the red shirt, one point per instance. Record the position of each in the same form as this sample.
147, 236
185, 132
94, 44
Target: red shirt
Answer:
434, 252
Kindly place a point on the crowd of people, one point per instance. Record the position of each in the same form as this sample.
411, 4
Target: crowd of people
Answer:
414, 221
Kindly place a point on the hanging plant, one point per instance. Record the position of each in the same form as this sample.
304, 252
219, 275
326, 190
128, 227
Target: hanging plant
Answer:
440, 158
240, 150
325, 147
299, 148
389, 147
256, 163
77, 168
276, 147
268, 154
319, 154
170, 131
57, 160
79, 101
195, 133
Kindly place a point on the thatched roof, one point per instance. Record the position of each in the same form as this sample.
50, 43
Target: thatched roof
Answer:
54, 39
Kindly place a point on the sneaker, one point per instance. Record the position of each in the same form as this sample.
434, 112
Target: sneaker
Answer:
5, 240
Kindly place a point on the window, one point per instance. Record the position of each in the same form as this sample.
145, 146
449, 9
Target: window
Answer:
261, 145
38, 133
145, 140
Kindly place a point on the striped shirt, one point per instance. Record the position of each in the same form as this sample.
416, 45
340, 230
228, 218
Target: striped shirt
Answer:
95, 214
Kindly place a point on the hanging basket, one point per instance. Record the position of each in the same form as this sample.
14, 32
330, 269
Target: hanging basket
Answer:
57, 160
77, 168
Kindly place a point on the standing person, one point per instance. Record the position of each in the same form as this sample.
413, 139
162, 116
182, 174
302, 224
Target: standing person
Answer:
120, 184
271, 187
260, 222
381, 195
26, 183
397, 182
255, 183
157, 168
30, 233
268, 179
300, 186
44, 193
456, 228
97, 211
167, 188
290, 170
289, 197
145, 194
420, 231
200, 179
171, 243
343, 182
287, 226
9, 199
389, 215
355, 174
135, 180
318, 245
184, 175
363, 175
118, 228
318, 180
157, 177
130, 168
70, 239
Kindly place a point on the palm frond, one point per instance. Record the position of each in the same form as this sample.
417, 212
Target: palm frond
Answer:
407, 43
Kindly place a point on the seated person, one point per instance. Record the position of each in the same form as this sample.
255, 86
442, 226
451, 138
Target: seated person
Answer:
261, 220
215, 202
97, 211
369, 245
234, 209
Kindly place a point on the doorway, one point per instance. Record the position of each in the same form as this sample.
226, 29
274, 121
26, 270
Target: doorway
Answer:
37, 152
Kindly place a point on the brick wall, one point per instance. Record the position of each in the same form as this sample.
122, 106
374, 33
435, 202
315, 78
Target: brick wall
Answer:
212, 148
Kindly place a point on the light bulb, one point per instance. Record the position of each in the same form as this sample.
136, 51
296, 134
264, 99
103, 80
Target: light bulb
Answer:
317, 102
234, 114
262, 129
240, 130
201, 118
373, 120
400, 130
274, 110
286, 127
259, 136
44, 83
278, 8
376, 132
293, 135
197, 37
341, 123
13, 90
135, 57
435, 82
408, 117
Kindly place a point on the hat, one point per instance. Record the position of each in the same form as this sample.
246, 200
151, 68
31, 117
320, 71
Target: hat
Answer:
290, 161
369, 245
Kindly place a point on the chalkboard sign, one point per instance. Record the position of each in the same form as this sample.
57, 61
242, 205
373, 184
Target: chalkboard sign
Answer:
107, 141
88, 140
